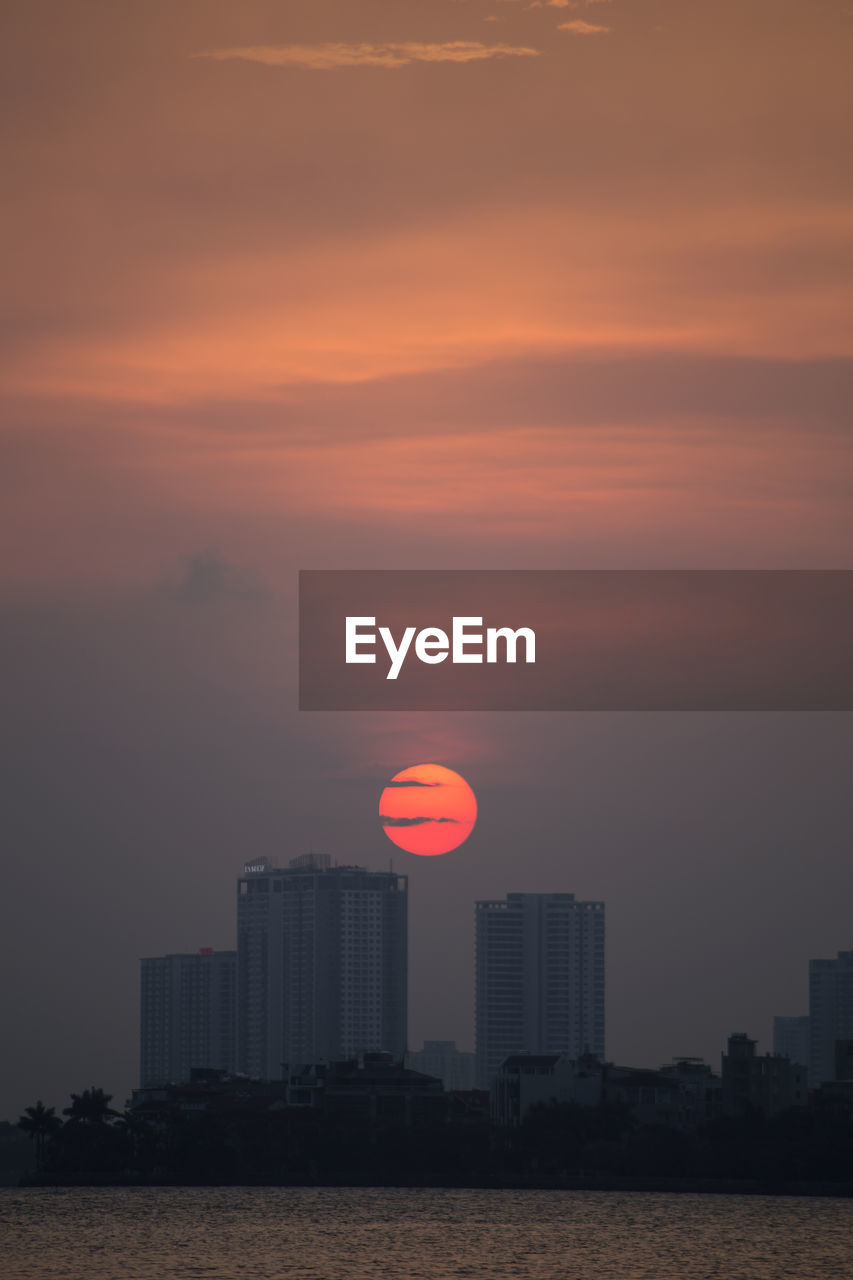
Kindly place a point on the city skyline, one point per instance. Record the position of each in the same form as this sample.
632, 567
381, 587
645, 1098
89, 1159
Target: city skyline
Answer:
317, 967
457, 1023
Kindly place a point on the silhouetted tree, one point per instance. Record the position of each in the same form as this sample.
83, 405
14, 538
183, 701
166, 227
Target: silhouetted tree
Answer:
40, 1123
89, 1142
92, 1106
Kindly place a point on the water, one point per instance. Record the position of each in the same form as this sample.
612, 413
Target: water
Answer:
356, 1234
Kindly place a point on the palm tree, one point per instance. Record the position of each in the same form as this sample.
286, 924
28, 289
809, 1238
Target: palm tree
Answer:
41, 1123
92, 1106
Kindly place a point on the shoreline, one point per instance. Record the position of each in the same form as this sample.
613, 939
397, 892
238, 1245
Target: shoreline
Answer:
658, 1185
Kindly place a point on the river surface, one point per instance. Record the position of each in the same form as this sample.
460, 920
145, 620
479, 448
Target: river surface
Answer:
263, 1233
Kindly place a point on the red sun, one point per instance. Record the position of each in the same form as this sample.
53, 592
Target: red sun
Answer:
428, 809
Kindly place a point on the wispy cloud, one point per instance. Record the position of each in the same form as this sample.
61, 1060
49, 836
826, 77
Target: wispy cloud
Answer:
208, 576
410, 822
580, 28
330, 56
565, 4
409, 782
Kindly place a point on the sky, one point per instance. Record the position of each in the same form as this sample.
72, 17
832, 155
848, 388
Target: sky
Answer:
384, 284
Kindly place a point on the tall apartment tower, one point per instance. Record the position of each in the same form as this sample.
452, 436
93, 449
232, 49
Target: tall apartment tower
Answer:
830, 1013
187, 1015
539, 978
322, 964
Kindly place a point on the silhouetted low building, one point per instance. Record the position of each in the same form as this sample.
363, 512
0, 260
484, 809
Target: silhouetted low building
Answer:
208, 1091
653, 1096
374, 1086
682, 1095
700, 1091
524, 1080
767, 1083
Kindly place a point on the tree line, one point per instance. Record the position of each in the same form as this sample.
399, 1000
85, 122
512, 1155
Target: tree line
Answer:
557, 1144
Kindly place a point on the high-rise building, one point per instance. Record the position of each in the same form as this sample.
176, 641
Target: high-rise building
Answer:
322, 964
187, 1015
791, 1038
539, 978
830, 1013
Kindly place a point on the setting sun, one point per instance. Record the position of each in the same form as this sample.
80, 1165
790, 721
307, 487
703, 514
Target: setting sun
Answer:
428, 809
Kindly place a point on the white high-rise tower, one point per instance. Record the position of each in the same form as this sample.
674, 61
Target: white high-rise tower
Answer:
321, 964
539, 978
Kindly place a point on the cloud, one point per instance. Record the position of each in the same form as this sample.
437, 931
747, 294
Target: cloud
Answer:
410, 782
208, 576
411, 822
580, 28
330, 56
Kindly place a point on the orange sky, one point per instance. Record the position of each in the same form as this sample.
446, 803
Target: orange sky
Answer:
269, 263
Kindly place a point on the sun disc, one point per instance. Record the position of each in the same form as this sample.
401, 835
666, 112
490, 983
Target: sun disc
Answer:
428, 809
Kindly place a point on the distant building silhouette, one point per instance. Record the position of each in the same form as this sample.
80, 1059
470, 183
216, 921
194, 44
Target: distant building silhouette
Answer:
700, 1091
830, 1013
539, 979
322, 964
526, 1080
454, 1068
844, 1061
791, 1038
682, 1095
187, 1015
374, 1086
764, 1083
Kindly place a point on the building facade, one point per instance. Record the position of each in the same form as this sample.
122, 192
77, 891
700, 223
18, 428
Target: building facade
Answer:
187, 1015
830, 1013
539, 979
322, 964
